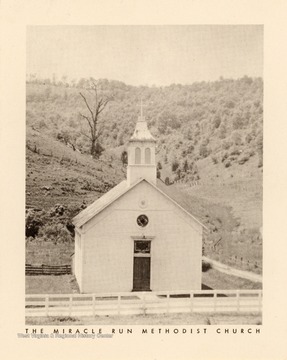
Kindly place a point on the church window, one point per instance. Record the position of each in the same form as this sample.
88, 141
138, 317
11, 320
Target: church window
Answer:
142, 247
142, 220
147, 156
138, 156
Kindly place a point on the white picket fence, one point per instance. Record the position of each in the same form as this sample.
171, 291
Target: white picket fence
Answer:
135, 303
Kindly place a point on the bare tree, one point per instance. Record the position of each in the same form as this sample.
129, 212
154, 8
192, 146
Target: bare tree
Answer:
95, 106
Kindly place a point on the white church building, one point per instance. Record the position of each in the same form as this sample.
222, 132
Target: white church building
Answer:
135, 237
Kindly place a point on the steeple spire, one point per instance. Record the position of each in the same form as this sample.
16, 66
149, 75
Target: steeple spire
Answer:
141, 132
141, 117
141, 105
141, 152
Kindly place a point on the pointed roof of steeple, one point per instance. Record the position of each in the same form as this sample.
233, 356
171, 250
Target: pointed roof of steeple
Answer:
142, 132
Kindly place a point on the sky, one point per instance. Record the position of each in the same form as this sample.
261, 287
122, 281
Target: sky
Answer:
146, 55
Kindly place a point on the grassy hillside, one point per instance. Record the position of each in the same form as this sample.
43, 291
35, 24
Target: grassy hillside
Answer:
57, 174
60, 183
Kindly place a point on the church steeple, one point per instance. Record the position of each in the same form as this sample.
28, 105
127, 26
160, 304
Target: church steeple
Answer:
141, 153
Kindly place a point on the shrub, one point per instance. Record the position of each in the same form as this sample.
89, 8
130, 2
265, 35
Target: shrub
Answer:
33, 224
204, 151
242, 160
214, 159
178, 173
236, 138
226, 145
185, 166
248, 138
193, 168
227, 164
166, 181
224, 157
238, 121
206, 266
56, 232
124, 157
188, 149
216, 122
236, 152
222, 131
66, 319
174, 165
98, 149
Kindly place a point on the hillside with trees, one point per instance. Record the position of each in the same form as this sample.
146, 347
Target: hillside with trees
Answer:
190, 121
210, 148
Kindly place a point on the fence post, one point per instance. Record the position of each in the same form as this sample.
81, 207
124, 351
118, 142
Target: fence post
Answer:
238, 300
47, 305
119, 304
167, 302
70, 305
191, 301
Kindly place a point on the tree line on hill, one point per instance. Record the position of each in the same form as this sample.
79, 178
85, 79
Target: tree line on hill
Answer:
221, 120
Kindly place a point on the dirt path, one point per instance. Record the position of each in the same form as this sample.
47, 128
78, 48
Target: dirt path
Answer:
231, 271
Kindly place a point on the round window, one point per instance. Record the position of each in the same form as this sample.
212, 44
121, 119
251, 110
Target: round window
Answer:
142, 220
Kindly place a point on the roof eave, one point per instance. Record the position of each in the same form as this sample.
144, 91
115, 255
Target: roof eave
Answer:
79, 224
176, 203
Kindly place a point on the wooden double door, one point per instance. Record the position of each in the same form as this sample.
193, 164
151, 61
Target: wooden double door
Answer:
141, 275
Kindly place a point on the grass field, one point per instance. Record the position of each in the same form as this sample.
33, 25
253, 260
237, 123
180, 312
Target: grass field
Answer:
66, 284
51, 284
48, 253
160, 319
240, 187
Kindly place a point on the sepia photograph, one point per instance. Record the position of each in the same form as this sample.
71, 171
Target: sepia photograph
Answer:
143, 179
144, 175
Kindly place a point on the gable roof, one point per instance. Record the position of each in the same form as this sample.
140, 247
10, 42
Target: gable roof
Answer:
163, 190
108, 198
101, 203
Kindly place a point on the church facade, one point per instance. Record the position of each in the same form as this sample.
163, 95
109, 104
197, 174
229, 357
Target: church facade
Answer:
135, 237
